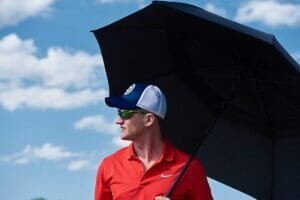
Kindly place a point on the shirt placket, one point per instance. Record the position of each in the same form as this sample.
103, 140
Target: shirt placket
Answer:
139, 169
147, 173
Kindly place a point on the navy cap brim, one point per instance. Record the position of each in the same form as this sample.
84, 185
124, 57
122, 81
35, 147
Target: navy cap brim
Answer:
119, 102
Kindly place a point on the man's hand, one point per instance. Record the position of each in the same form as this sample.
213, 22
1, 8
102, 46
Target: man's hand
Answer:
162, 198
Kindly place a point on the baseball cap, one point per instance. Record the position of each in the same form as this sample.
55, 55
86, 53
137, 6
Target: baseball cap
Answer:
140, 96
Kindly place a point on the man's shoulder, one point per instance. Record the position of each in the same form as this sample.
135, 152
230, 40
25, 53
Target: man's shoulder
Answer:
184, 156
117, 155
179, 153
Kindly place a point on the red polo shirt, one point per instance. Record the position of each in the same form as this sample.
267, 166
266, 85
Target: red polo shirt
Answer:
121, 176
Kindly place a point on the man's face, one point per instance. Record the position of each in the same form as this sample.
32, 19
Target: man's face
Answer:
132, 127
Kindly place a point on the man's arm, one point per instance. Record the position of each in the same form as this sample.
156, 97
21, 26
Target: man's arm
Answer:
199, 188
161, 198
102, 189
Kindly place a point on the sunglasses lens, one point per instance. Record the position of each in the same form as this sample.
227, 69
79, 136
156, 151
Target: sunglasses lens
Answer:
125, 114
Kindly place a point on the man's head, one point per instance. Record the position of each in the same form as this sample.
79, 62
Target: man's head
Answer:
141, 109
141, 96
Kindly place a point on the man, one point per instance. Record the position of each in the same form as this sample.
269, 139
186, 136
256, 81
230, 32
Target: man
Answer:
146, 169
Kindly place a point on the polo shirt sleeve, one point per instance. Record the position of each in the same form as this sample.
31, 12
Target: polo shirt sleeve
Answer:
102, 186
199, 188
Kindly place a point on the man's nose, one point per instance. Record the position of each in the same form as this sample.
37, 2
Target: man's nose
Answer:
119, 120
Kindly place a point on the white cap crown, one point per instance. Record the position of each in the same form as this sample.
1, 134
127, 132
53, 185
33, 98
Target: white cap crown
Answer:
152, 99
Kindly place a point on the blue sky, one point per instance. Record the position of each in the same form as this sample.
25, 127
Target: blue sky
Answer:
54, 126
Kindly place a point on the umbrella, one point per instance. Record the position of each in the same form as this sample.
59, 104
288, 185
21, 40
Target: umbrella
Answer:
231, 88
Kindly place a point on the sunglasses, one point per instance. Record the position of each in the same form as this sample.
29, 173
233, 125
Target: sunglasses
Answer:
127, 114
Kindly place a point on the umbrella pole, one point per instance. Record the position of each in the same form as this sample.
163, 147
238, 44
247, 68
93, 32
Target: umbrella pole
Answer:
220, 110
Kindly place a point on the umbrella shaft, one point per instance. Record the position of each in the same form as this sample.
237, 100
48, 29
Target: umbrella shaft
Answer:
220, 110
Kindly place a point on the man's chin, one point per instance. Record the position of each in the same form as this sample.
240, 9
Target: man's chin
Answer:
127, 138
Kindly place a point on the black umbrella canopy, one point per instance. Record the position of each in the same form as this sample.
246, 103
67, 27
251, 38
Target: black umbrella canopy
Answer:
200, 60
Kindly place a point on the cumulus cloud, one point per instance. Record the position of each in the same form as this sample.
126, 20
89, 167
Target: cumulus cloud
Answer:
14, 11
269, 12
43, 98
117, 141
99, 124
56, 154
59, 80
96, 123
77, 165
47, 152
212, 8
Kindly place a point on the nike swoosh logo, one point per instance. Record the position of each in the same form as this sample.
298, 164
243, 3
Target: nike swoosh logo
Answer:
166, 176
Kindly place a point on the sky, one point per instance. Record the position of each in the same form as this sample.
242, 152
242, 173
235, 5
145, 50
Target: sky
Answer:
54, 126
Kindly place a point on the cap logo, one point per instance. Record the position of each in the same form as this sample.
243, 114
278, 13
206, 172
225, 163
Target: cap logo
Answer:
130, 89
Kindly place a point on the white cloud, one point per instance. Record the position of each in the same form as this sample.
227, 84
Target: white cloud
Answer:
43, 98
269, 12
47, 152
99, 124
119, 142
14, 11
60, 80
212, 8
56, 154
96, 123
77, 165
58, 69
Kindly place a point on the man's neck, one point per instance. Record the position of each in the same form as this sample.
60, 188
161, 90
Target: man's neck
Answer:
149, 149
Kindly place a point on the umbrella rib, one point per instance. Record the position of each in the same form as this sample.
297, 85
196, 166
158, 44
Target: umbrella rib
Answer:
274, 81
258, 101
283, 98
268, 122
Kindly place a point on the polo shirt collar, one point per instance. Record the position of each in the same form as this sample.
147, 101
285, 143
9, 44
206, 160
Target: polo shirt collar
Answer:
168, 152
130, 152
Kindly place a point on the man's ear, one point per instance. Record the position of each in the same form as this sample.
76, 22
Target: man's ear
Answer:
149, 119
